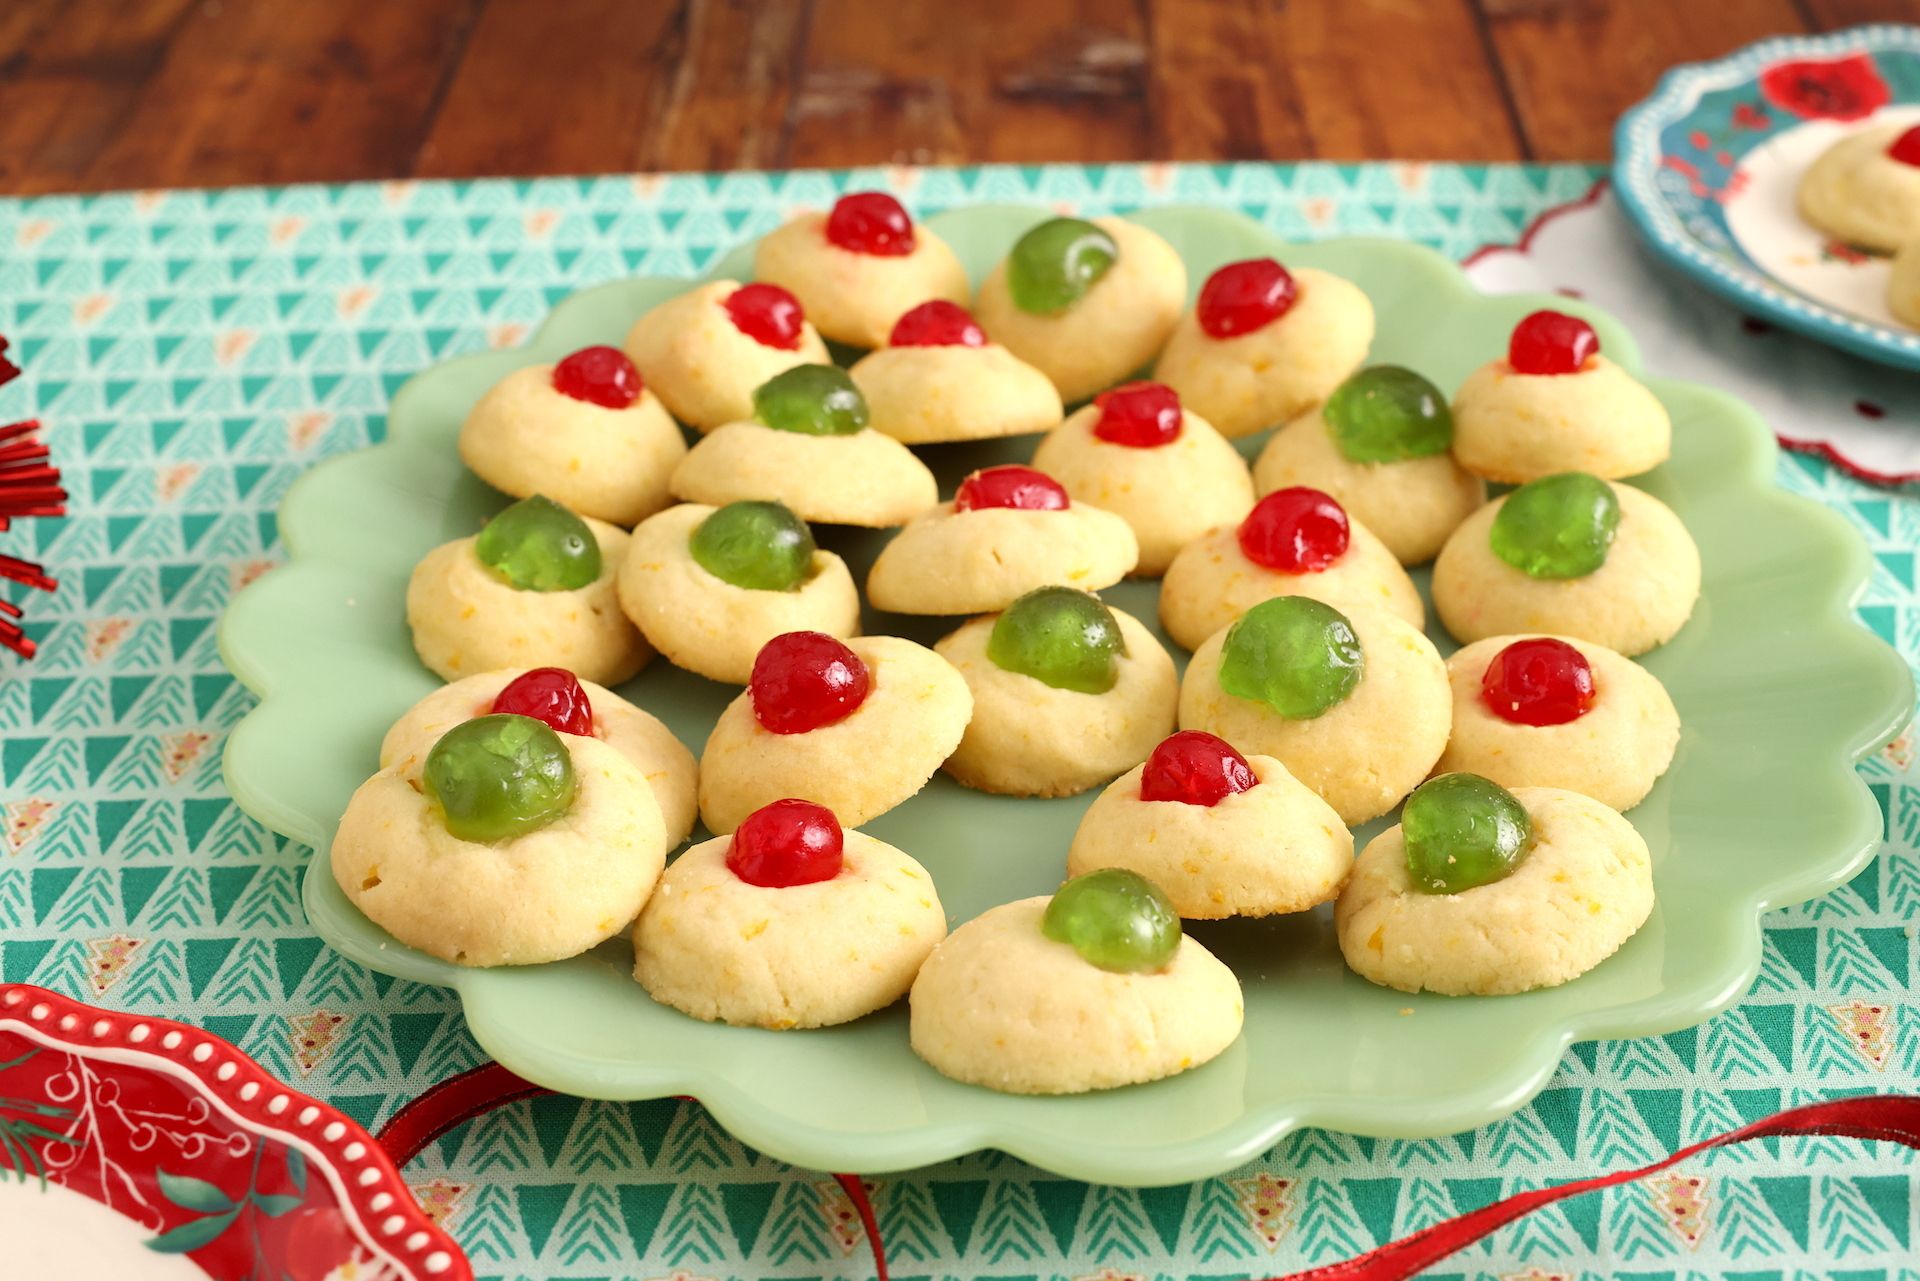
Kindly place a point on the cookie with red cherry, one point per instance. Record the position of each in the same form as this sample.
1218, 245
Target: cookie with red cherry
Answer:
940, 378
704, 351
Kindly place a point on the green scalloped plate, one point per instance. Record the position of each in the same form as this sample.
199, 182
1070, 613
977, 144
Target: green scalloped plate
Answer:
1781, 690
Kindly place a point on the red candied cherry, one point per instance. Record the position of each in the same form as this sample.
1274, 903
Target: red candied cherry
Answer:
600, 376
549, 694
1906, 148
1142, 415
1244, 296
767, 314
787, 843
803, 680
1021, 488
1296, 531
937, 323
1195, 768
871, 222
1552, 342
1540, 681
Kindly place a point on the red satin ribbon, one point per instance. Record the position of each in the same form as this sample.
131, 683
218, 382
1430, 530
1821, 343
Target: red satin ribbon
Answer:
1893, 1119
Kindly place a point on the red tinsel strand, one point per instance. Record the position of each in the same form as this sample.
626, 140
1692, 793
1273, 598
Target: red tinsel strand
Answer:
25, 427
8, 370
25, 571
23, 451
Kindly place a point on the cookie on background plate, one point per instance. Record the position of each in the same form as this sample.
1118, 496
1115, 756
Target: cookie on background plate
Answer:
1865, 189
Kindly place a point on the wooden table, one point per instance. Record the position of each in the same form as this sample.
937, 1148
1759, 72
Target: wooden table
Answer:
144, 93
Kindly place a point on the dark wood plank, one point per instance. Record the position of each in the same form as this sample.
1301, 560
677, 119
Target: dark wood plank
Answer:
1831, 15
1575, 65
1225, 84
726, 104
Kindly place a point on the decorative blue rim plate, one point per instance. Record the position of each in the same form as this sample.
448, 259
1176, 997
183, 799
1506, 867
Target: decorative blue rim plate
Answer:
1705, 169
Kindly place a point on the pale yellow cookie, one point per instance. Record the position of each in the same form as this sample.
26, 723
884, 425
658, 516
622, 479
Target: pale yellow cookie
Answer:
1365, 753
662, 759
1211, 583
525, 438
1903, 285
925, 395
1029, 739
1000, 1004
854, 298
1411, 504
1251, 381
1580, 892
1860, 195
1638, 599
1276, 847
719, 948
913, 717
863, 478
543, 896
1514, 427
1113, 330
701, 366
954, 562
465, 620
1169, 495
706, 625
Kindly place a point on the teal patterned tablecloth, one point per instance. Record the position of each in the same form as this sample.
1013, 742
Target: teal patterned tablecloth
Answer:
193, 352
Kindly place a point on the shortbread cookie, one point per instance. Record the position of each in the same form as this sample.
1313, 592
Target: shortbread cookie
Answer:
535, 588
1165, 472
858, 727
1865, 189
1086, 303
1263, 344
761, 576
859, 267
704, 351
1903, 285
939, 379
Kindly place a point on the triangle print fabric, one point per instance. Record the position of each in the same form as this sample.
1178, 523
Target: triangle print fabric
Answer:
192, 352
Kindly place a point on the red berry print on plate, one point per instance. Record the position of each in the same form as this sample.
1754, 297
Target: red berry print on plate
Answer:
1540, 681
549, 694
787, 843
803, 680
1021, 488
1906, 148
1552, 342
937, 323
1142, 415
1296, 531
1244, 296
871, 222
1195, 768
600, 376
767, 314
1847, 88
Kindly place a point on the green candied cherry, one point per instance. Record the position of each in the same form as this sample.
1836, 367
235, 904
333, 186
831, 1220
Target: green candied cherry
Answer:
1116, 919
1052, 266
537, 545
1295, 654
1387, 414
1461, 831
814, 400
1558, 526
760, 546
1061, 637
500, 776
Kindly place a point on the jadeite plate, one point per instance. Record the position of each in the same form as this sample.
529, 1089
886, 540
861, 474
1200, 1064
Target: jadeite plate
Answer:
1781, 691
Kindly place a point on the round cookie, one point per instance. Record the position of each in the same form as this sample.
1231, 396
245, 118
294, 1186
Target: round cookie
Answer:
1859, 194
1213, 581
1029, 738
719, 948
1636, 600
702, 366
526, 437
705, 624
1001, 1005
1614, 751
1170, 489
1903, 285
854, 297
912, 717
542, 896
1365, 752
863, 478
465, 619
1582, 890
1275, 847
1248, 381
1111, 330
926, 393
662, 759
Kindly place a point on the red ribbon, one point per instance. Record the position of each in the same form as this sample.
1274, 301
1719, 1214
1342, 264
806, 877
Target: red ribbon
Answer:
1890, 1118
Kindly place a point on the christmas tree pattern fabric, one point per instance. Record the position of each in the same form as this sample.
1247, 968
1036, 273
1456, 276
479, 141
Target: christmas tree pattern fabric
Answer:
193, 352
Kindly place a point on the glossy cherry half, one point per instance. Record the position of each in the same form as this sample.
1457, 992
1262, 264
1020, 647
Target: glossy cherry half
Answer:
1021, 488
1195, 768
788, 843
767, 314
550, 694
803, 680
1296, 531
1539, 681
